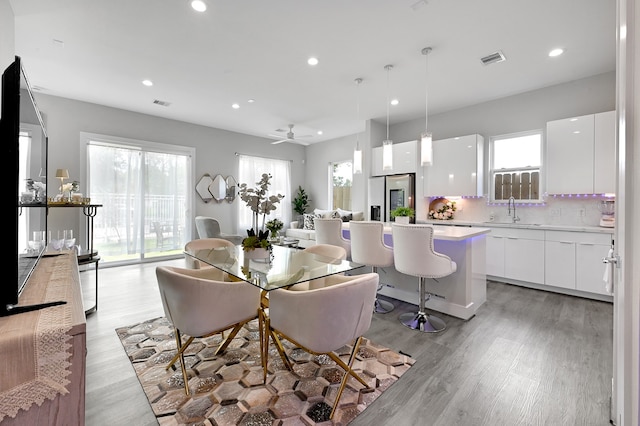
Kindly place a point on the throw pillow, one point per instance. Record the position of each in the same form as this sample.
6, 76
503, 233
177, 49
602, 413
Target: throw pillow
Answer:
335, 215
308, 221
347, 218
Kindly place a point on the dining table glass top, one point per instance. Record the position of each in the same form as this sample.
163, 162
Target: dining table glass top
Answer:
285, 266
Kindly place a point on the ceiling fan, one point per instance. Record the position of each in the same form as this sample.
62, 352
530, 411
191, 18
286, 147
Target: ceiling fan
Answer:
290, 137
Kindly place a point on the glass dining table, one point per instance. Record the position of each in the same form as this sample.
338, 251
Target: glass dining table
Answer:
285, 267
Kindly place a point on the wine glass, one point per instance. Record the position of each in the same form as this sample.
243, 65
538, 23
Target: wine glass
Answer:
58, 243
69, 241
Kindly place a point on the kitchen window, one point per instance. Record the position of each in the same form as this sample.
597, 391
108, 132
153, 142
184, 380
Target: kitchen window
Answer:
516, 160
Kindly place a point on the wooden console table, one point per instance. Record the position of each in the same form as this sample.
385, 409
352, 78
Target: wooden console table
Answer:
42, 374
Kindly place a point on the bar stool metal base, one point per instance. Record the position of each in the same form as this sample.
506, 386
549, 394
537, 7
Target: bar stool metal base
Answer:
382, 306
420, 321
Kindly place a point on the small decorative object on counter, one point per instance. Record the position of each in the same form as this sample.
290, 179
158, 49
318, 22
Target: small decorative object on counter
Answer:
441, 209
402, 214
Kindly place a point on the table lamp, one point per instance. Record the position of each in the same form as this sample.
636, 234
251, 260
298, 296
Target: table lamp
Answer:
62, 174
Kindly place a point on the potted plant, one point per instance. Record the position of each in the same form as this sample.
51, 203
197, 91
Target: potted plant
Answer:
402, 214
261, 204
300, 202
274, 226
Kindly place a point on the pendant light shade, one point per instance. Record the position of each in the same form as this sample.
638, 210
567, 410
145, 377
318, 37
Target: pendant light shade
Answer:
426, 139
387, 144
357, 153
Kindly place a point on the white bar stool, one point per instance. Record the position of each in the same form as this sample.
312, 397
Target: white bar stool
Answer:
414, 254
329, 231
368, 248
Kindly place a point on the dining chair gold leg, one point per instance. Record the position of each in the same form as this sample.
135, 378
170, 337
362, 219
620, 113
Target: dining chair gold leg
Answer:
185, 377
181, 347
348, 369
264, 346
230, 337
280, 348
356, 346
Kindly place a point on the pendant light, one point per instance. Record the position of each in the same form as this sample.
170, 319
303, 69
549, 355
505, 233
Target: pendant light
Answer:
387, 144
357, 153
426, 140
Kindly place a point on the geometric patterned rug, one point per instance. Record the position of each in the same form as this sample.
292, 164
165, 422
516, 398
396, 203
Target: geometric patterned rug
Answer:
228, 389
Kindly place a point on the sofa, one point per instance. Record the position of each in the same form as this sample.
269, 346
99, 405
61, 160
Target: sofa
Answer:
303, 230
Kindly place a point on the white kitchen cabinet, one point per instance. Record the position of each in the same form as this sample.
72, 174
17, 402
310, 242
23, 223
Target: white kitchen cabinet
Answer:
560, 259
580, 154
405, 159
589, 266
457, 167
495, 252
524, 255
604, 179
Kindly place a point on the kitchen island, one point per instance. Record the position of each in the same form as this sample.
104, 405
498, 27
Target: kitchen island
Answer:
460, 294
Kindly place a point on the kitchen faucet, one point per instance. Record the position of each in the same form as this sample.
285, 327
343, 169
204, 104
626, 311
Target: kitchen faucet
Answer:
512, 201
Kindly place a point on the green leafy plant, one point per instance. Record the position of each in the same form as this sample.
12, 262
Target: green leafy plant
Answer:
301, 201
403, 211
253, 241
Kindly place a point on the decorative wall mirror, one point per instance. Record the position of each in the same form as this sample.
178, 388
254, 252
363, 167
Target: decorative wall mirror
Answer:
231, 189
202, 187
218, 188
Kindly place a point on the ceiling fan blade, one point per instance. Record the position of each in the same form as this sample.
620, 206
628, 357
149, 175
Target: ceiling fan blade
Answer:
280, 141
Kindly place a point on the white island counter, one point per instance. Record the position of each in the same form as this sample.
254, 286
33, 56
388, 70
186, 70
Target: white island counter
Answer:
461, 293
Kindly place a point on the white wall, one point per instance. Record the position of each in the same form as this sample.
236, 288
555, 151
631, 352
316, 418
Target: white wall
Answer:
215, 149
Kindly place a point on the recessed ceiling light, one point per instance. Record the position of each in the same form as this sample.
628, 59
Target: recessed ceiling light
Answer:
556, 52
312, 61
394, 102
235, 106
320, 132
251, 101
147, 83
199, 5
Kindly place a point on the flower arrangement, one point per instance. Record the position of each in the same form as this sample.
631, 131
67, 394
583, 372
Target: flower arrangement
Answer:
274, 225
445, 212
260, 204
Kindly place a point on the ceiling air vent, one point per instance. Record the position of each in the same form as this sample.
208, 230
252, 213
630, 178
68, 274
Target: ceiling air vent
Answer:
161, 103
493, 58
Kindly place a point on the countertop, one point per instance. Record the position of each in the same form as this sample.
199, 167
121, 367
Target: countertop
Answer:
570, 228
450, 233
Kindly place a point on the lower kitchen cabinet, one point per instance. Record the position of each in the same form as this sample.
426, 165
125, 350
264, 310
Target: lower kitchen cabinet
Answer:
559, 259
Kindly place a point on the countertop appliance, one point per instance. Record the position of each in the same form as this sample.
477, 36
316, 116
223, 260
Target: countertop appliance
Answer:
607, 208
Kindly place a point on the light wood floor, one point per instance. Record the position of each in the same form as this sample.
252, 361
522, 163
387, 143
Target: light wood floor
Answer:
528, 357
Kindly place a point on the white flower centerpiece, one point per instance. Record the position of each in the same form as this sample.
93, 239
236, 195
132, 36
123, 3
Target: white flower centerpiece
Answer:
445, 212
261, 204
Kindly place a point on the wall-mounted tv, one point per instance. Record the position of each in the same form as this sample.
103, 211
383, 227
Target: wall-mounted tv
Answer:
23, 142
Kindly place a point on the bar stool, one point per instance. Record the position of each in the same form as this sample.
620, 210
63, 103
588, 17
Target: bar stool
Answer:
329, 231
413, 254
368, 247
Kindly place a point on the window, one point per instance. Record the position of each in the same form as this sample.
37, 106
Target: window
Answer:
341, 174
515, 166
250, 170
146, 194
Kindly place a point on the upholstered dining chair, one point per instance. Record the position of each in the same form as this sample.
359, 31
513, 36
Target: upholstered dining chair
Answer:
324, 320
209, 227
414, 254
203, 244
201, 307
327, 252
368, 248
329, 231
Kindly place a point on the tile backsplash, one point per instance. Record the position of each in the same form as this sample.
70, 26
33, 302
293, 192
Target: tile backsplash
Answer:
569, 211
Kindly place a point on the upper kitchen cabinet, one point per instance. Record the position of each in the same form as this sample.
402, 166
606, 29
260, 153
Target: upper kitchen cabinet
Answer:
581, 154
405, 159
457, 167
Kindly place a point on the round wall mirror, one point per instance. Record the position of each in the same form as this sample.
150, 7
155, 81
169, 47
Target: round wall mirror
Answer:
218, 188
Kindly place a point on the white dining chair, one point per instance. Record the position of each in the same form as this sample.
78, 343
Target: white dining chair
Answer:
414, 254
324, 320
203, 244
200, 307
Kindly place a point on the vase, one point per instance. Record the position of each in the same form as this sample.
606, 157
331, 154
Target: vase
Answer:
403, 219
257, 254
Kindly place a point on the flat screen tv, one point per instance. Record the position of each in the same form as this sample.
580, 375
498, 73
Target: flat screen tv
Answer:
23, 141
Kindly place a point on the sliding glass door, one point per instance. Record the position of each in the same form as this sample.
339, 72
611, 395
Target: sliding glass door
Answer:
144, 189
